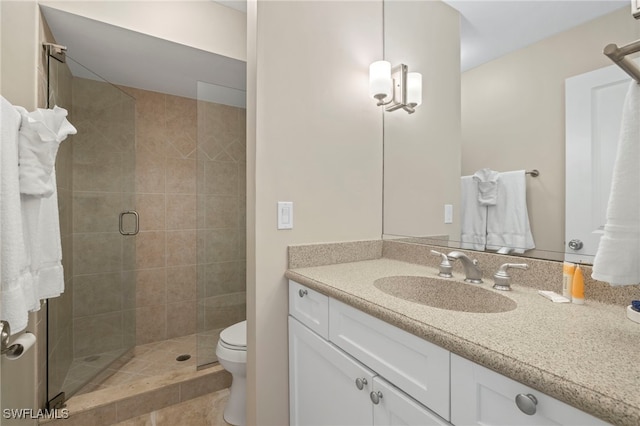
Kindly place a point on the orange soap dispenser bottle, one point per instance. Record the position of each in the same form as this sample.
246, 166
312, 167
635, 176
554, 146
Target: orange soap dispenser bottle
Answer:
577, 287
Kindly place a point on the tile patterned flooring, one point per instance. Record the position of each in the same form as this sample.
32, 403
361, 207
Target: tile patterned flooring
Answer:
206, 410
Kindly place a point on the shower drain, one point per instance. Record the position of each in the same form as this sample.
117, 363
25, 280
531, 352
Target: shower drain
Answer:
183, 357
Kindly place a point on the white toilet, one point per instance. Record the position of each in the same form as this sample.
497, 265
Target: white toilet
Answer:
232, 354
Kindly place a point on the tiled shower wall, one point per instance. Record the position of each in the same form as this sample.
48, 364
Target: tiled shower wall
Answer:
190, 186
190, 195
103, 186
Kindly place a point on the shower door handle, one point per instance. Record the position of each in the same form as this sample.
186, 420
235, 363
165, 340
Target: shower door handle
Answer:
137, 222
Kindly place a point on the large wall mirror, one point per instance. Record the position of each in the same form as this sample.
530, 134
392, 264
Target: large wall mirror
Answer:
491, 99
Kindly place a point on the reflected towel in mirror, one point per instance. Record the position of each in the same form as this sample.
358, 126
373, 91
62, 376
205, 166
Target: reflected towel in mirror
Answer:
616, 260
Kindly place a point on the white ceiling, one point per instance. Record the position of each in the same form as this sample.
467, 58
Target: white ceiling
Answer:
489, 29
132, 59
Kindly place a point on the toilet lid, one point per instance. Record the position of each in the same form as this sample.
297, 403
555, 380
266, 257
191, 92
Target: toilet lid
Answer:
235, 335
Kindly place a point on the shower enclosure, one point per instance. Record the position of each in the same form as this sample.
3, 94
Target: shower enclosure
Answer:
93, 323
140, 305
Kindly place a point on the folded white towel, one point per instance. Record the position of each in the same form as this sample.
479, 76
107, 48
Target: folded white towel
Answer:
508, 221
48, 128
16, 286
473, 216
487, 186
617, 258
42, 131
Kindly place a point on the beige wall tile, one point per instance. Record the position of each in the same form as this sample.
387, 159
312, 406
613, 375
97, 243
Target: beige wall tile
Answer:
151, 324
181, 176
221, 244
224, 277
96, 334
181, 318
97, 253
221, 211
151, 208
150, 171
96, 211
181, 283
150, 249
151, 287
181, 247
181, 211
102, 172
221, 178
97, 294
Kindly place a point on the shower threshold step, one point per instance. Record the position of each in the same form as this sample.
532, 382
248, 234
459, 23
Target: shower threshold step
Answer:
109, 406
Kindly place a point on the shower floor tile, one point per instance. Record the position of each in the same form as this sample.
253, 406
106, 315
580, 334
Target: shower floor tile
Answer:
144, 361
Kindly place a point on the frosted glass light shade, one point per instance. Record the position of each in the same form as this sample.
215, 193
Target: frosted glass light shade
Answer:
380, 83
414, 88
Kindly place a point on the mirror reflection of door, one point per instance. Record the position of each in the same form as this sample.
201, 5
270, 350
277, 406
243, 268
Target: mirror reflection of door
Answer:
594, 102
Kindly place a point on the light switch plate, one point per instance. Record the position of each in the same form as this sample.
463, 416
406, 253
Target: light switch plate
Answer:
448, 213
285, 215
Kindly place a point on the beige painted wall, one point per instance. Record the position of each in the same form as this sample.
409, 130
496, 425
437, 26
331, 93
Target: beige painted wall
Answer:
314, 138
513, 114
19, 57
422, 150
22, 74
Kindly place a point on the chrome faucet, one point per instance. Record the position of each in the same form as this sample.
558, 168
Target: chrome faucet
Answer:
445, 267
472, 273
502, 279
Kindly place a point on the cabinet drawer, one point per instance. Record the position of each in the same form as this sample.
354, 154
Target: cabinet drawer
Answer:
480, 396
414, 365
310, 308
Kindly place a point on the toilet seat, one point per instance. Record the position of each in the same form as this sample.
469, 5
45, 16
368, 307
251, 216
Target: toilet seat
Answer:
235, 337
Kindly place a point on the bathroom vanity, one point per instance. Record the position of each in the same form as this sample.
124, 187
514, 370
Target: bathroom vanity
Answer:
359, 355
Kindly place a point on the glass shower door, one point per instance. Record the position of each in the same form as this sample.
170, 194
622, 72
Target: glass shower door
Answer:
92, 325
221, 254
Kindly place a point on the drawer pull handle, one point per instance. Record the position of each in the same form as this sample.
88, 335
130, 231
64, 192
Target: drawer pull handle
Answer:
302, 292
360, 383
376, 397
527, 403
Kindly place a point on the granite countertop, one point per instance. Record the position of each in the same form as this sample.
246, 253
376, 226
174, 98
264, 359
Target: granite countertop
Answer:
585, 355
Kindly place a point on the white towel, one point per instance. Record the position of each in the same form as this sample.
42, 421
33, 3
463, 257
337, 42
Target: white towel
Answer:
473, 216
508, 221
41, 133
487, 180
617, 260
16, 286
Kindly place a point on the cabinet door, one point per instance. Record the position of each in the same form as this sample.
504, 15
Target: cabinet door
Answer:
480, 396
418, 367
394, 407
322, 382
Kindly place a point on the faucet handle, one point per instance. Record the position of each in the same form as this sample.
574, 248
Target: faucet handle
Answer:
445, 266
502, 279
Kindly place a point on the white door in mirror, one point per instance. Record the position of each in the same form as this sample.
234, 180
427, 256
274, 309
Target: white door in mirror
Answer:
594, 102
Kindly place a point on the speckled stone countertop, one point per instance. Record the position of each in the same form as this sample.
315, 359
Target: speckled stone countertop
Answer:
585, 355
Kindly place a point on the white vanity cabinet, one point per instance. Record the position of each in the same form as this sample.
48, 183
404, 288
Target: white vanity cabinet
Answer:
480, 396
329, 387
349, 368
